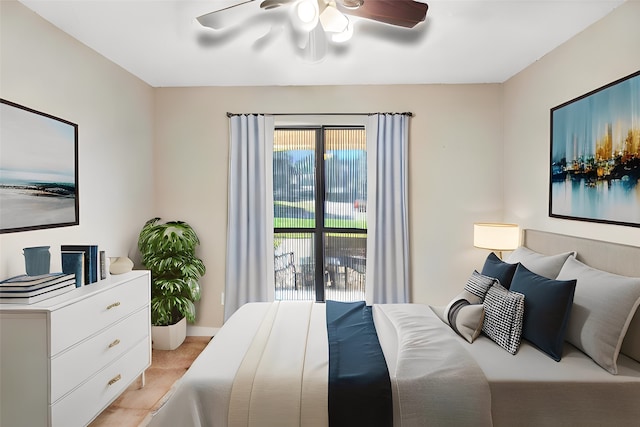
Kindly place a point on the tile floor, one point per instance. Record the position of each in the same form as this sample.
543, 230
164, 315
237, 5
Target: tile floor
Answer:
135, 404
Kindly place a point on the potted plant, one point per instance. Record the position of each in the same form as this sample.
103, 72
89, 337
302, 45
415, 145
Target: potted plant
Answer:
168, 250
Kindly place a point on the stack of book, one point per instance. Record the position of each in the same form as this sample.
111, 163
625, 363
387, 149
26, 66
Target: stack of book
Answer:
25, 289
91, 261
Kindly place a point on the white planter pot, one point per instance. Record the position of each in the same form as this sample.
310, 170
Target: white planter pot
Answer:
169, 337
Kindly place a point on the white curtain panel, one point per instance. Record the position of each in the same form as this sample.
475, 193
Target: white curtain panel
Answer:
387, 279
250, 262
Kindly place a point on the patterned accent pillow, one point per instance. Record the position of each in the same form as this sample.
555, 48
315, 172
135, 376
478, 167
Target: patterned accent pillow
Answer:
465, 313
465, 319
479, 284
504, 311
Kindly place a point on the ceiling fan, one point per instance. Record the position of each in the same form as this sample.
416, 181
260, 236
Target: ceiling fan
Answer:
316, 23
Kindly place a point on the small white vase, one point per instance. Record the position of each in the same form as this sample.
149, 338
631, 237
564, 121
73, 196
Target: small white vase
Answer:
120, 265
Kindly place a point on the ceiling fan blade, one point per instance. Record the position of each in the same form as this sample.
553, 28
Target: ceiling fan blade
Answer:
272, 4
268, 38
403, 13
229, 16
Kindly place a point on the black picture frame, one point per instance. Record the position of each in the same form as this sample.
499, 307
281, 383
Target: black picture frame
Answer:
594, 158
38, 170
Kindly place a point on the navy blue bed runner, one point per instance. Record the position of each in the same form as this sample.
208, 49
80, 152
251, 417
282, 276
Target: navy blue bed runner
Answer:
359, 384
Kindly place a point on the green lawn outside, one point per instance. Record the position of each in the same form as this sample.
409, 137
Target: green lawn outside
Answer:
308, 205
310, 223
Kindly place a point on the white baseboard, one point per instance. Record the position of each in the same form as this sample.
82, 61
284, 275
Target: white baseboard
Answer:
201, 331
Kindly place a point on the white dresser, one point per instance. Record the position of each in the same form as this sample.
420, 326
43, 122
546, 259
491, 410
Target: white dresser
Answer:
65, 359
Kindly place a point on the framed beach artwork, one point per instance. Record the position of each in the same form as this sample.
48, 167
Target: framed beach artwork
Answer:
38, 170
595, 155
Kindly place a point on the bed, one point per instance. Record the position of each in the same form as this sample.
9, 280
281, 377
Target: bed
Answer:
269, 364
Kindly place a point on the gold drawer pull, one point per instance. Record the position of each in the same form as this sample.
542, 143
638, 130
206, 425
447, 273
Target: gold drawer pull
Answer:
115, 379
114, 343
115, 304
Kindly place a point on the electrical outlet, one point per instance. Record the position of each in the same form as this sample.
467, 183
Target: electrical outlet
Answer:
222, 298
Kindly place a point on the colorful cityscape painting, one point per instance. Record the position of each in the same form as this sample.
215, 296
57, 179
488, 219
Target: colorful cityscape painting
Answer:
595, 155
38, 170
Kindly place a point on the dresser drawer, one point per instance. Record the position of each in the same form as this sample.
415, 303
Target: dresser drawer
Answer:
72, 367
80, 320
86, 402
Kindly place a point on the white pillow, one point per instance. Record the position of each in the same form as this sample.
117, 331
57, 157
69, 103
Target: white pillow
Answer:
548, 266
603, 306
631, 343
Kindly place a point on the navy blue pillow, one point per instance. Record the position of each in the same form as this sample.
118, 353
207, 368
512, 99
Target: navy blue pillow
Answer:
547, 307
495, 267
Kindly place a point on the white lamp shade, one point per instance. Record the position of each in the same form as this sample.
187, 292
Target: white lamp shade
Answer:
496, 236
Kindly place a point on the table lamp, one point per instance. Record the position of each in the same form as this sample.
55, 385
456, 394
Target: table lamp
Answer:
497, 237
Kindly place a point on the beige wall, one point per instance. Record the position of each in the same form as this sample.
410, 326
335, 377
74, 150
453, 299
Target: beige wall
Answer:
456, 132
605, 52
49, 71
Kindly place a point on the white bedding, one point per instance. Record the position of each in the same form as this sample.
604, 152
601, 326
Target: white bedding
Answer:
433, 373
528, 389
282, 378
525, 389
201, 397
287, 381
429, 389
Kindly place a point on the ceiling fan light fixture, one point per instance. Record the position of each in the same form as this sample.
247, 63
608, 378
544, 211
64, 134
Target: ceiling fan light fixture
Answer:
307, 11
305, 15
343, 36
333, 21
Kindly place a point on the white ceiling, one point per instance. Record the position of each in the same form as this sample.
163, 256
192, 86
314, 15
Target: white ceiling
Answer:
461, 41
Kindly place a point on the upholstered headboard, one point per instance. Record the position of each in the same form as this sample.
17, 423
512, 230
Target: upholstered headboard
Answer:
612, 257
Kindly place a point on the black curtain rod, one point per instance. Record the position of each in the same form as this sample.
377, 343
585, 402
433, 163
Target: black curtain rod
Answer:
407, 113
